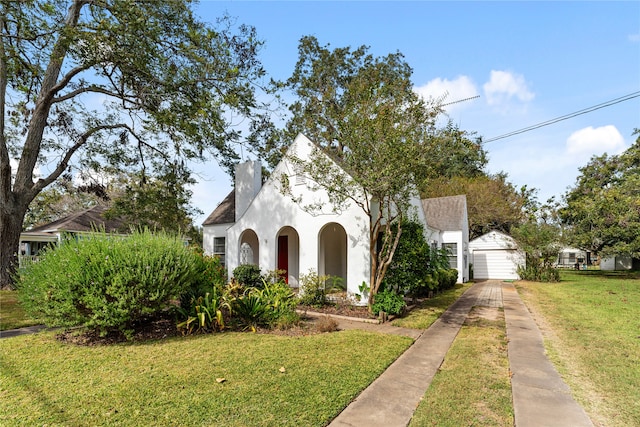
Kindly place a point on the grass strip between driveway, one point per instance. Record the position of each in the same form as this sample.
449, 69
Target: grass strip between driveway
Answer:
472, 387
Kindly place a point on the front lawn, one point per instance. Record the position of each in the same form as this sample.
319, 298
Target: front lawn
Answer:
12, 316
593, 337
175, 381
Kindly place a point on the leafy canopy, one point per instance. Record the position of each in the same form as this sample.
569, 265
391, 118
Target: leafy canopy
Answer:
121, 84
602, 211
372, 132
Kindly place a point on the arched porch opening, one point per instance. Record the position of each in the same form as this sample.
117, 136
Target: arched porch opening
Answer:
249, 248
288, 255
332, 255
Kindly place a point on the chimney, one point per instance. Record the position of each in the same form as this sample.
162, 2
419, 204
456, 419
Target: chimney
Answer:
248, 184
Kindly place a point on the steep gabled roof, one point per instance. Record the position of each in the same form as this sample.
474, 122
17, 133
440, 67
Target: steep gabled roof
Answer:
446, 213
86, 220
225, 212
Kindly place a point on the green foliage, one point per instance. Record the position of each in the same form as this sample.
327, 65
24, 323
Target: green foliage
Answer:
162, 202
251, 309
214, 276
602, 212
363, 114
109, 283
538, 273
417, 269
410, 264
281, 302
170, 88
248, 275
388, 301
205, 313
493, 203
312, 289
541, 244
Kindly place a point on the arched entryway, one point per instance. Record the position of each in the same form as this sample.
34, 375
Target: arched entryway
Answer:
288, 254
249, 248
332, 253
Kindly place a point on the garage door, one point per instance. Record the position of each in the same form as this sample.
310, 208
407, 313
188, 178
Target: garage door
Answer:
496, 264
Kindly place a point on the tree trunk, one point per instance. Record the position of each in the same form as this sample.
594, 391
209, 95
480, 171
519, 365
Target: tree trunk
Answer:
11, 218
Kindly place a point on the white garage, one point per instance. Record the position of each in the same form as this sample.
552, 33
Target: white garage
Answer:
495, 255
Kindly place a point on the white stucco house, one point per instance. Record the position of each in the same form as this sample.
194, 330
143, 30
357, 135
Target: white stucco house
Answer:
260, 223
496, 255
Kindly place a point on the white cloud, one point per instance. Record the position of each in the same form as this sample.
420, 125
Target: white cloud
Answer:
504, 85
634, 38
462, 87
595, 141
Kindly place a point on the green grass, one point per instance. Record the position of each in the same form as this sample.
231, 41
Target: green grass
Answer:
472, 387
596, 342
12, 316
429, 310
173, 382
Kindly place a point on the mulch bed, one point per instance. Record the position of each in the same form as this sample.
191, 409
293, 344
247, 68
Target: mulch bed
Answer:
165, 327
340, 310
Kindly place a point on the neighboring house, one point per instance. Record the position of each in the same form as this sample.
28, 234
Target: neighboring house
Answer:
569, 257
263, 225
495, 255
448, 224
76, 224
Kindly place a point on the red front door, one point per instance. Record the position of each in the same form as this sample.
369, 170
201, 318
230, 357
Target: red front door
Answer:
283, 256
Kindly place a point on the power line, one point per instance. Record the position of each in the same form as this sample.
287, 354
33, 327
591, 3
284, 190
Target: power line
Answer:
460, 100
567, 116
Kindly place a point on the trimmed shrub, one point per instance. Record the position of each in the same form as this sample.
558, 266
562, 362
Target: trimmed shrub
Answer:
410, 264
248, 275
389, 302
109, 283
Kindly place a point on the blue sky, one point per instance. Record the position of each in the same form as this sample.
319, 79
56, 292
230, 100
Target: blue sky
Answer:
529, 62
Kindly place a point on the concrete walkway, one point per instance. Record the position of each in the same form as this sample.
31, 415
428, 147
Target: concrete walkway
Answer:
22, 331
393, 397
540, 397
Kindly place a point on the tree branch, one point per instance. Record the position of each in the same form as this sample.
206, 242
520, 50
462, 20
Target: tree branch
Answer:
62, 166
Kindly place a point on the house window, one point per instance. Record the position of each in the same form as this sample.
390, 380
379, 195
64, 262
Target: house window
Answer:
219, 248
452, 251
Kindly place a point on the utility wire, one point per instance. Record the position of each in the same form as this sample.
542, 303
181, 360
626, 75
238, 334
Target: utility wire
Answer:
567, 116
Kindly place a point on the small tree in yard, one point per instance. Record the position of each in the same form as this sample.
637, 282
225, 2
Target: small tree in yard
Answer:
372, 131
541, 244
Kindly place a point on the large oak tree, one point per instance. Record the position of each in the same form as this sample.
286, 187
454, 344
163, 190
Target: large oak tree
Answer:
114, 83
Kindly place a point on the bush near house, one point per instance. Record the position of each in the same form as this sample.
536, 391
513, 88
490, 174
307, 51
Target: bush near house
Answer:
417, 269
108, 283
